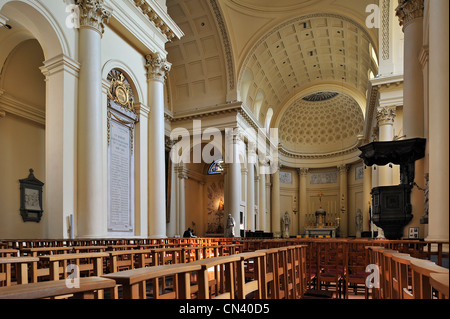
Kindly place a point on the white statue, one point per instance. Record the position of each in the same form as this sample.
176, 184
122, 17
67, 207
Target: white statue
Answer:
359, 223
229, 229
286, 221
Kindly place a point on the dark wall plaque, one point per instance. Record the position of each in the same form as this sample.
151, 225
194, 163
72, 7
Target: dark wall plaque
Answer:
31, 208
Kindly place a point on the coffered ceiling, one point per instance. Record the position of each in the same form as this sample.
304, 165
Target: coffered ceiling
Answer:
265, 53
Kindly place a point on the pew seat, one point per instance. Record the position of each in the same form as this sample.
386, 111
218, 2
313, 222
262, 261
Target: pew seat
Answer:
51, 289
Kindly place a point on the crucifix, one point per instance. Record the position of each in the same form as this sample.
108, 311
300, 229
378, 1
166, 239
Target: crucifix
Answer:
320, 199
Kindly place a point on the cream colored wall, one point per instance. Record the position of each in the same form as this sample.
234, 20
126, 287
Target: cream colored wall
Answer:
22, 146
22, 141
289, 201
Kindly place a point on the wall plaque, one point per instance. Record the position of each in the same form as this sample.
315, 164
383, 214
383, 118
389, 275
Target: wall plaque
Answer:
31, 198
121, 125
323, 178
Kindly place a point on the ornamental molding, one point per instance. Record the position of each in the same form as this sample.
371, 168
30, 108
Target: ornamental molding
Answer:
409, 10
159, 18
93, 14
157, 67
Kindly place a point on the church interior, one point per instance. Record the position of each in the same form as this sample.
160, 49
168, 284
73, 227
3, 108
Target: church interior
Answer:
228, 149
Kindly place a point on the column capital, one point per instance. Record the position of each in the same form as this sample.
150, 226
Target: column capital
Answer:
93, 14
343, 169
386, 115
409, 10
303, 171
157, 68
182, 172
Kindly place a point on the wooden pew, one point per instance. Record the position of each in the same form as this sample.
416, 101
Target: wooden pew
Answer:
440, 283
217, 277
134, 281
269, 280
421, 273
20, 272
88, 289
87, 262
250, 266
401, 275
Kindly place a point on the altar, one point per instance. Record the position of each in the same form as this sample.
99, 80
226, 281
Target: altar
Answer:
322, 224
325, 231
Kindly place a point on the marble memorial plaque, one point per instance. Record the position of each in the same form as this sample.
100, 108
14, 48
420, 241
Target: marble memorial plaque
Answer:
120, 179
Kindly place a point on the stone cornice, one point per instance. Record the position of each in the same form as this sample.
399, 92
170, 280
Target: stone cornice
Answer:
9, 104
294, 155
159, 18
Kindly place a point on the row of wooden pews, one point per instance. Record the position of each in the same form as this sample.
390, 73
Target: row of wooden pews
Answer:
275, 273
289, 268
402, 276
224, 272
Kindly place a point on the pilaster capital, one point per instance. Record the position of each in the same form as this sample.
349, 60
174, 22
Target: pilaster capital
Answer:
157, 68
386, 115
409, 10
93, 14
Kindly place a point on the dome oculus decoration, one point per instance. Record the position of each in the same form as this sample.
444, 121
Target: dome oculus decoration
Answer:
320, 96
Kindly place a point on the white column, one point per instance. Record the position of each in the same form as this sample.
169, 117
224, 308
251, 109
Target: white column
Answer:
410, 13
268, 225
251, 197
438, 228
262, 202
182, 176
91, 193
61, 76
157, 69
367, 197
385, 118
235, 192
343, 200
142, 170
302, 204
276, 218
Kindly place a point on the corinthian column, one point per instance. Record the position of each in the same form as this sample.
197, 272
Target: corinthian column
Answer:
91, 195
302, 203
410, 14
157, 70
439, 121
343, 187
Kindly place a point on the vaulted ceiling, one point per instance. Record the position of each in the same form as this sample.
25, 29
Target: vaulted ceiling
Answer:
269, 54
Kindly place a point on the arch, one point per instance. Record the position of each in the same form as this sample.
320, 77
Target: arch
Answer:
37, 19
246, 81
118, 65
269, 116
258, 103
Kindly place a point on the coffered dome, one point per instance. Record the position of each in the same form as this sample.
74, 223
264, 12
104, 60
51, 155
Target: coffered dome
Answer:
321, 123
